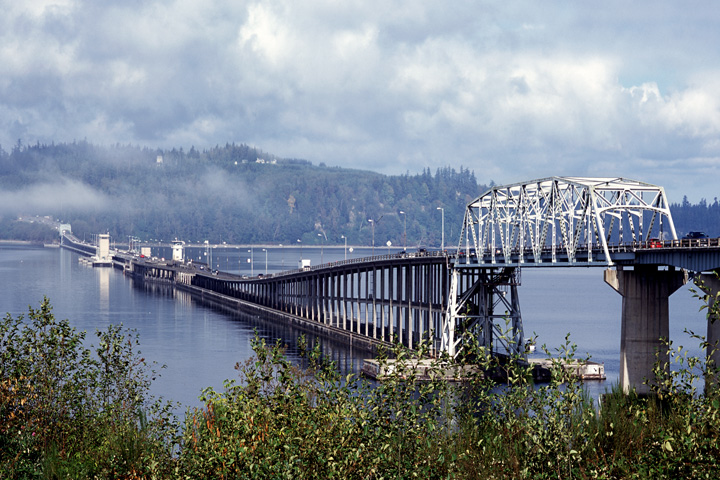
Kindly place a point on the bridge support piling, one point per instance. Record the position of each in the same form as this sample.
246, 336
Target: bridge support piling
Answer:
484, 303
645, 320
710, 285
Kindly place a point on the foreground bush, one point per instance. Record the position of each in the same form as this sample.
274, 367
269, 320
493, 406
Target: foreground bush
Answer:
284, 422
68, 411
71, 412
555, 431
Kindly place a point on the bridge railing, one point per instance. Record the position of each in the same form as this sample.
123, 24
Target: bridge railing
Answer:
682, 243
353, 261
582, 250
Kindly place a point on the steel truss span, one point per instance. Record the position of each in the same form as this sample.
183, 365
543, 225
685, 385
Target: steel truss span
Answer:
563, 217
557, 220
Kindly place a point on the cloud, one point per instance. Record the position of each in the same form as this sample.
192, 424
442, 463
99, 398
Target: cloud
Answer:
235, 192
61, 194
512, 91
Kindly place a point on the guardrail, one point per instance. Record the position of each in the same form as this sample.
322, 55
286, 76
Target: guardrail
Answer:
614, 247
354, 261
681, 243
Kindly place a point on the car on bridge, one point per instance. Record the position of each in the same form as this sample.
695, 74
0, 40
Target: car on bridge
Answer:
697, 238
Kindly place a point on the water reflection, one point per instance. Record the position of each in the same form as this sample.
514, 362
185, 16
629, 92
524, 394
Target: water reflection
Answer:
203, 341
104, 287
348, 358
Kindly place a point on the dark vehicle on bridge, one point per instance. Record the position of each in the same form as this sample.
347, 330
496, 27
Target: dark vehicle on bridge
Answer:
697, 239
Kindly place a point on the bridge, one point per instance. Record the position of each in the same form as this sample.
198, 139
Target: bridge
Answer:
445, 298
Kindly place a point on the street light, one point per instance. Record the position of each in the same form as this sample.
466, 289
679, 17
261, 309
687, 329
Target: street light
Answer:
343, 236
322, 246
405, 230
442, 245
300, 249
372, 222
265, 250
282, 255
252, 262
373, 230
208, 254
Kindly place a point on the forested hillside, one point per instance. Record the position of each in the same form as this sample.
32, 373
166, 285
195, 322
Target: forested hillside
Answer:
233, 194
703, 217
239, 194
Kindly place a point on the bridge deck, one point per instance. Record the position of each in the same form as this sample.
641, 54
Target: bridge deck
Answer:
695, 255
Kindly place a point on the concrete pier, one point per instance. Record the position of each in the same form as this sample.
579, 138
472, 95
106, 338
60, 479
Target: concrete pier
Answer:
710, 285
645, 320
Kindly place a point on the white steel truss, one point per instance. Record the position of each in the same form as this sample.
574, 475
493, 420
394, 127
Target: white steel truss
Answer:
564, 214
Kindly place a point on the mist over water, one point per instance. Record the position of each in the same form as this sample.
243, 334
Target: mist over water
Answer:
200, 344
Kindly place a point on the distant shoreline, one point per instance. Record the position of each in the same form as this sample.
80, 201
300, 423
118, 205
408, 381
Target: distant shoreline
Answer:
22, 242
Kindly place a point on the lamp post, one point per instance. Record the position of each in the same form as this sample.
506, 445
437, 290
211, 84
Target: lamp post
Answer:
372, 222
265, 250
343, 236
322, 247
300, 249
252, 262
442, 245
404, 230
208, 256
282, 255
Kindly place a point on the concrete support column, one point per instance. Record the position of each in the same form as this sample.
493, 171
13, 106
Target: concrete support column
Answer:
645, 319
710, 285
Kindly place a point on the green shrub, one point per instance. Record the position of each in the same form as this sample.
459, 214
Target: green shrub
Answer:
283, 422
71, 412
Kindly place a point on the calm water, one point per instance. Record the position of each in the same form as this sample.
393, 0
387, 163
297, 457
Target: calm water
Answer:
201, 344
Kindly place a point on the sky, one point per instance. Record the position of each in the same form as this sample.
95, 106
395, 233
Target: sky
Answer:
511, 90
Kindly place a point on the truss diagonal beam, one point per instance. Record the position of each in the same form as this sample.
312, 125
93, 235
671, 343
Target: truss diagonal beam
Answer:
515, 220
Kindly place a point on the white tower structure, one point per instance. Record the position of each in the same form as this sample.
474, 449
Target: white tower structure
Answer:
103, 250
178, 247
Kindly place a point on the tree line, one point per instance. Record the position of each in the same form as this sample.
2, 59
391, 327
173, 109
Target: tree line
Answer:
240, 194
